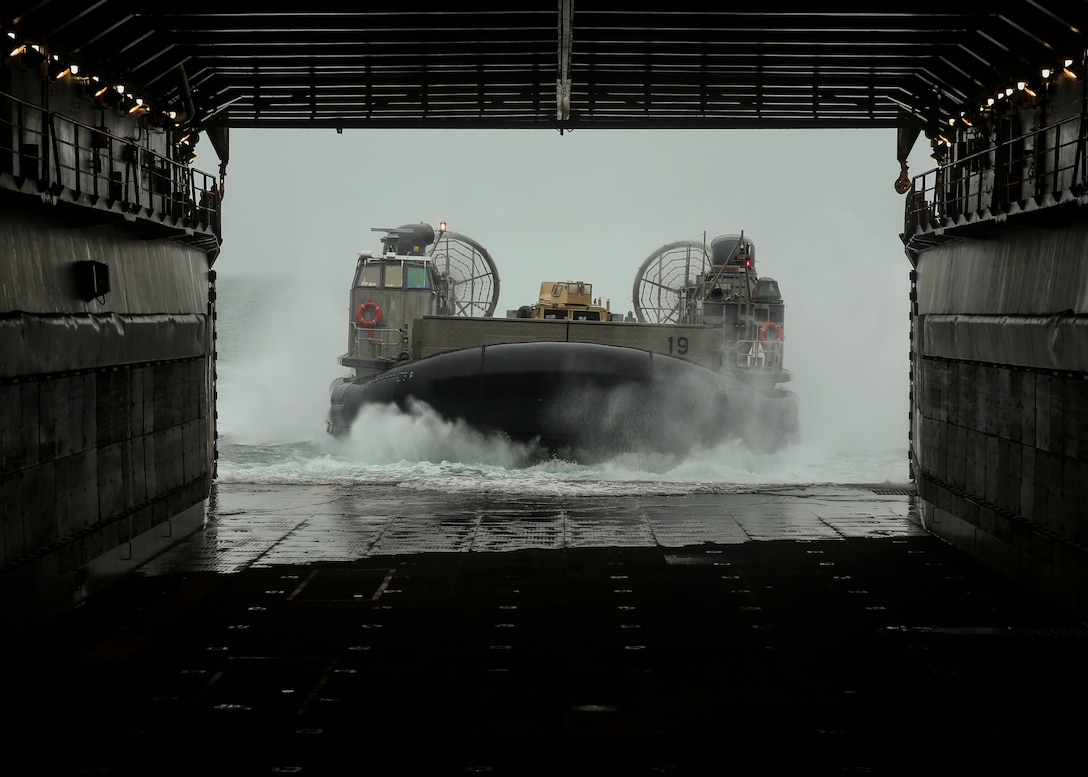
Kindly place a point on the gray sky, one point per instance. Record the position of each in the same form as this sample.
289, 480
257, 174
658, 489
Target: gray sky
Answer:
592, 205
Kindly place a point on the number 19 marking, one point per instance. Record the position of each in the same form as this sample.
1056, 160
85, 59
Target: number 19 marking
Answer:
681, 345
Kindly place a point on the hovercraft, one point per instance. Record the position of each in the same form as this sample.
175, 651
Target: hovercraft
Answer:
566, 373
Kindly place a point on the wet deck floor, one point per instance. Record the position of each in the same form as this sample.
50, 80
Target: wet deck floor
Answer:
333, 630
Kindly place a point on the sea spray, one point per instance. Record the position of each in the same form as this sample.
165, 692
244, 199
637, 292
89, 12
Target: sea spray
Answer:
274, 372
422, 451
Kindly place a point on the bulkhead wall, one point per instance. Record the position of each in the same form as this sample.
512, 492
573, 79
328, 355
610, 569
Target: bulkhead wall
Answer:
106, 411
1000, 402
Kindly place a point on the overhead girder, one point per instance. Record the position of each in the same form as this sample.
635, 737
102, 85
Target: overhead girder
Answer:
272, 63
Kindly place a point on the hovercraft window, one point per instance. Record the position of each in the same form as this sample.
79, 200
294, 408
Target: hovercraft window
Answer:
371, 275
394, 276
417, 277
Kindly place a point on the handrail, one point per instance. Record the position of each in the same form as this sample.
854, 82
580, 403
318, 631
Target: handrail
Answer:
760, 355
62, 154
1024, 172
379, 343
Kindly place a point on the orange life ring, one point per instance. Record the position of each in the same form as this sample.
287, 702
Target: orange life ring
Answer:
768, 326
369, 321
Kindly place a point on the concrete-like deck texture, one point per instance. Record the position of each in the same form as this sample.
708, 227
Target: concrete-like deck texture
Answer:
373, 630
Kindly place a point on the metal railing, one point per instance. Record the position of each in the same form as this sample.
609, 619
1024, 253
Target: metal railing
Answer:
759, 355
59, 153
378, 343
1029, 171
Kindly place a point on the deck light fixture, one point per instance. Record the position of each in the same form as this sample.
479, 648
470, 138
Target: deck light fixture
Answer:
1023, 87
30, 55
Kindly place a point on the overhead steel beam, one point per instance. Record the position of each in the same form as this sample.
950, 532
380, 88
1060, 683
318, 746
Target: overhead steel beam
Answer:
426, 62
566, 44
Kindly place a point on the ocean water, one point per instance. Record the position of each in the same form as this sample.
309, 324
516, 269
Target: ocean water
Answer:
278, 344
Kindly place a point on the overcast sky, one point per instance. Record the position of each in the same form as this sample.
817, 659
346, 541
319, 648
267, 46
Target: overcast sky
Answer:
592, 205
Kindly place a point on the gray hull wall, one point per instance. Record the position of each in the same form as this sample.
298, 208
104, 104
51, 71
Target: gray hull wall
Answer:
1000, 402
106, 407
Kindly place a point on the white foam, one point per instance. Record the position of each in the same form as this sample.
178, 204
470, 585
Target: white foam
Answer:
423, 452
277, 344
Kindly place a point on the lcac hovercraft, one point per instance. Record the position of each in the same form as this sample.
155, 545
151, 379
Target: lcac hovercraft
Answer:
567, 374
